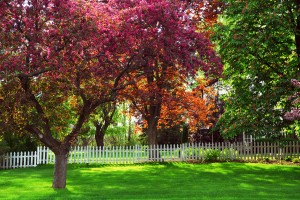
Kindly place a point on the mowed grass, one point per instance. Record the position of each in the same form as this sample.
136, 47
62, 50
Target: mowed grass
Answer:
156, 181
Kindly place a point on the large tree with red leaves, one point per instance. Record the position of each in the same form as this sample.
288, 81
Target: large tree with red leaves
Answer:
54, 53
168, 48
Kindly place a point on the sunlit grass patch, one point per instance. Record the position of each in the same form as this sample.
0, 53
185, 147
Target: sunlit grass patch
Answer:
156, 181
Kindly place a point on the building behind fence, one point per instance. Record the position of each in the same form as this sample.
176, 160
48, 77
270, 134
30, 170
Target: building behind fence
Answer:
158, 153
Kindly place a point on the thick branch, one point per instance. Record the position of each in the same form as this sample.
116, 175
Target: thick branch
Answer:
85, 111
35, 73
48, 140
123, 72
45, 136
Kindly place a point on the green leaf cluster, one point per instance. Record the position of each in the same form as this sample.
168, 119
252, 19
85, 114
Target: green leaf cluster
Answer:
256, 40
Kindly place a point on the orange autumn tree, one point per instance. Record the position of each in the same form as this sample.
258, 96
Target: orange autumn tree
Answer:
173, 101
169, 49
194, 107
204, 13
180, 103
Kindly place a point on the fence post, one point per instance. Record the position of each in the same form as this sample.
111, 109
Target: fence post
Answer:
21, 159
9, 160
35, 159
37, 155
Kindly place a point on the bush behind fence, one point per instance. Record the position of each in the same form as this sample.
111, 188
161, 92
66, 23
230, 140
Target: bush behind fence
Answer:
158, 153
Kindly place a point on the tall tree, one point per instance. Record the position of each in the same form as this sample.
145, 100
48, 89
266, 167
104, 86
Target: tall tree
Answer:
166, 40
259, 43
55, 51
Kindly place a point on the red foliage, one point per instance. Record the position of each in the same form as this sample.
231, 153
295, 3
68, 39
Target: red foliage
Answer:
67, 57
194, 107
166, 50
294, 114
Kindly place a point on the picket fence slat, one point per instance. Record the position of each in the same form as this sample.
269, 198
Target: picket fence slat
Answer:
158, 153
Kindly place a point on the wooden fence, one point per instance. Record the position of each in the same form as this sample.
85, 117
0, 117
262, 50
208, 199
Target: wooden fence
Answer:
158, 153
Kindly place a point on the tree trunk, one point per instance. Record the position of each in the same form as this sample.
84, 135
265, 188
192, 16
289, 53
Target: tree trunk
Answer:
129, 130
99, 136
152, 132
152, 121
60, 170
152, 139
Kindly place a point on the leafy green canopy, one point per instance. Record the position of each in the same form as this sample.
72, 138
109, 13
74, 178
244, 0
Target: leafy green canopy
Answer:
257, 42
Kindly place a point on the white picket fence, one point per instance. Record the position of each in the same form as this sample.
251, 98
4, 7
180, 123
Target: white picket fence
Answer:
19, 159
158, 153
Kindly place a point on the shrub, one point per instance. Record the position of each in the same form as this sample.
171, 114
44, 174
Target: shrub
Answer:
197, 152
288, 159
211, 155
266, 159
296, 160
229, 153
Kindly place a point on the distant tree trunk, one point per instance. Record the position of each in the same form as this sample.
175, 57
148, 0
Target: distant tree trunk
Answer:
60, 170
99, 135
129, 130
185, 134
297, 36
103, 123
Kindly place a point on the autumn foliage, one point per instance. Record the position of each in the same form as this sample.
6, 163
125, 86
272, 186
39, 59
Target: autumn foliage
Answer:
195, 107
62, 59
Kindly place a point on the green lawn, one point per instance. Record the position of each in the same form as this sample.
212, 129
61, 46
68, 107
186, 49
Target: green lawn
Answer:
156, 181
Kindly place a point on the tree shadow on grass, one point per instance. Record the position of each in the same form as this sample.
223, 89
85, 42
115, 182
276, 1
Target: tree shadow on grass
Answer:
173, 181
177, 180
182, 180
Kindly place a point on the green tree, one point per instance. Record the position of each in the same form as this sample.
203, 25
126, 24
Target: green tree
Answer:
112, 124
102, 120
259, 42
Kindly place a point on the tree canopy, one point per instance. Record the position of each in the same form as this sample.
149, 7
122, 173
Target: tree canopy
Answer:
259, 45
62, 59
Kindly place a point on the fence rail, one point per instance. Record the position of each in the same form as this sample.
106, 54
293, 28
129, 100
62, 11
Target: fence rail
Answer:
158, 153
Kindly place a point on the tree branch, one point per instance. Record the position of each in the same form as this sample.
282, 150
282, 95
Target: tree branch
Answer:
45, 136
35, 73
